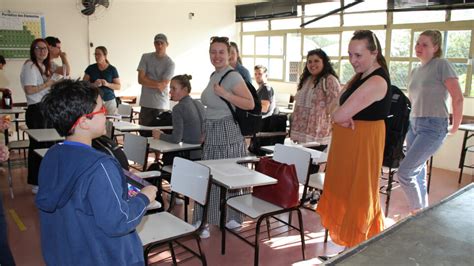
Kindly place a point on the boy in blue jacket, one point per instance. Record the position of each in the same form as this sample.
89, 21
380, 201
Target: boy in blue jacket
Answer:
86, 215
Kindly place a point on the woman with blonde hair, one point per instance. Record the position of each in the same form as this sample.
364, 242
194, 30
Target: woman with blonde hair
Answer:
429, 86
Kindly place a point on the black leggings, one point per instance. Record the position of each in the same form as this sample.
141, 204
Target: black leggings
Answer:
34, 120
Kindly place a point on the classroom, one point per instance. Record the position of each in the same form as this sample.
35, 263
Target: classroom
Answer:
279, 35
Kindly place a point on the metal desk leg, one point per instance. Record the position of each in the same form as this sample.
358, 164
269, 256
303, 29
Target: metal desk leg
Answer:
223, 195
430, 169
463, 153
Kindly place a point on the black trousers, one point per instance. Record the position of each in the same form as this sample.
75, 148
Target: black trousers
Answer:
6, 257
34, 120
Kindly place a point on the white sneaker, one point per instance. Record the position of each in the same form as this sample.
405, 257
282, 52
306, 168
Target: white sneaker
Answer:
34, 189
205, 233
232, 224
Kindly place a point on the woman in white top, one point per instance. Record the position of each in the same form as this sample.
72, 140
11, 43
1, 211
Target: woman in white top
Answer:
36, 80
428, 88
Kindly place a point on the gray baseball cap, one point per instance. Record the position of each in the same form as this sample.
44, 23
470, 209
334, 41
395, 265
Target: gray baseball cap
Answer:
160, 37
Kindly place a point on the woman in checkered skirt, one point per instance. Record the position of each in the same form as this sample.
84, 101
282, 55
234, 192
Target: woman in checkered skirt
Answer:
223, 138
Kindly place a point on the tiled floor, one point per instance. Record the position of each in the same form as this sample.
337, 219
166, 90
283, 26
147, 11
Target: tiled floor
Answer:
284, 249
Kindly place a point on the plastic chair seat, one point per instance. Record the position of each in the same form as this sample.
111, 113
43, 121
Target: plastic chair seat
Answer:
162, 226
316, 180
18, 144
252, 206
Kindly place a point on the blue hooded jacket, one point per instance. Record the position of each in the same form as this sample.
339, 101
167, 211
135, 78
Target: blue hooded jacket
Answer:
86, 216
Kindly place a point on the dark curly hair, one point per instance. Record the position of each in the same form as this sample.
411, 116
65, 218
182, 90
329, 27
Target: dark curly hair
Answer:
66, 102
327, 68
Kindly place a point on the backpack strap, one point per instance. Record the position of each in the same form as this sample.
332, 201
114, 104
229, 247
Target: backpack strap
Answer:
234, 115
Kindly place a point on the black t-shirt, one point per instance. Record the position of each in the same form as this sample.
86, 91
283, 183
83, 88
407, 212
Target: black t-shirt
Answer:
378, 110
265, 92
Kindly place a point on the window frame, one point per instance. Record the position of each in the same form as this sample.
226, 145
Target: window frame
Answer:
444, 27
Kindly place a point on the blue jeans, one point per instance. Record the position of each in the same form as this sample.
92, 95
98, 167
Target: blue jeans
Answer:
425, 136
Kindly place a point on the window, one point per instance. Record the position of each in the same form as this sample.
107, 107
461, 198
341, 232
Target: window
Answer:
320, 8
418, 17
379, 18
400, 43
399, 73
329, 43
461, 71
293, 57
462, 14
285, 24
284, 48
346, 71
330, 21
367, 5
247, 45
255, 25
458, 44
269, 52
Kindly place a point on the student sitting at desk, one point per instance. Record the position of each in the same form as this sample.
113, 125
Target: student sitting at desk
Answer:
86, 214
187, 117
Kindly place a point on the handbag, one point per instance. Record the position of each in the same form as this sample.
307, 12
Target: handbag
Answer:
285, 192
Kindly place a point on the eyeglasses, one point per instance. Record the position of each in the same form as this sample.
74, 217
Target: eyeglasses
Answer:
102, 110
41, 48
219, 39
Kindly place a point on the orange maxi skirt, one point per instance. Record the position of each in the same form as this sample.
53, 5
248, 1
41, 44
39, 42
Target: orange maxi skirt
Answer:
349, 206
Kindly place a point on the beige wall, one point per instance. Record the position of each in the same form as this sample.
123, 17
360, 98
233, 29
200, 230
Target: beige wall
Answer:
127, 30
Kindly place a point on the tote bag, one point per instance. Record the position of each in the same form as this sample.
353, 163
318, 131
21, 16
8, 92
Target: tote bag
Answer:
285, 192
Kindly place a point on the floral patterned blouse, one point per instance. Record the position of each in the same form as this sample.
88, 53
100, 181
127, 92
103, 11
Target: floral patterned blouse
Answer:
311, 120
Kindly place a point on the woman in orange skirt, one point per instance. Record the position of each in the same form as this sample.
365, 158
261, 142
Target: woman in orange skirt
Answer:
349, 206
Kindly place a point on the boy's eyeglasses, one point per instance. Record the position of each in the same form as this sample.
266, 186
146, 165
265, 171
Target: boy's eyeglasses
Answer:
102, 110
219, 39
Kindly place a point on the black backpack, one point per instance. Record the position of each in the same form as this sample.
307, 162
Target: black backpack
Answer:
396, 128
110, 147
273, 123
249, 121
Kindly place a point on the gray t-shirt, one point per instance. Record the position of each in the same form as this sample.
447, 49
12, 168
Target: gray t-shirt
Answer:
216, 107
428, 95
155, 68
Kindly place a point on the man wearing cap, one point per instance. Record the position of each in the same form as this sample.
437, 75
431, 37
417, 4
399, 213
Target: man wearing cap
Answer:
54, 47
155, 71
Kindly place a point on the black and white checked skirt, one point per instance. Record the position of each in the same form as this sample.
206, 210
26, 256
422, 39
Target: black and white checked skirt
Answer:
223, 140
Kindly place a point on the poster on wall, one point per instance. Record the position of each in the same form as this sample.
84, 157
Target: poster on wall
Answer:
17, 31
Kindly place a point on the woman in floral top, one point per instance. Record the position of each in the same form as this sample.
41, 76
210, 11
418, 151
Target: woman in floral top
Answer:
317, 91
